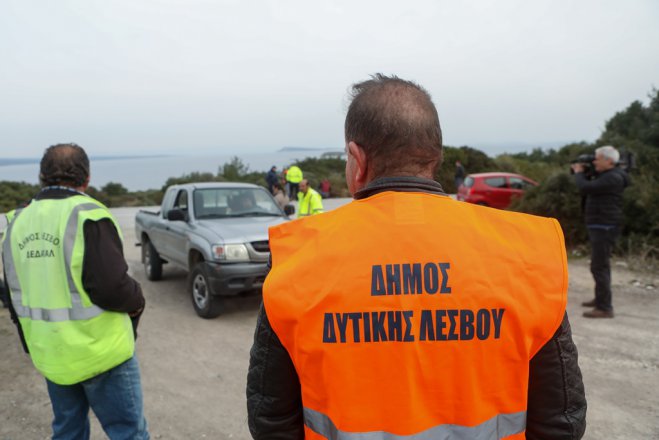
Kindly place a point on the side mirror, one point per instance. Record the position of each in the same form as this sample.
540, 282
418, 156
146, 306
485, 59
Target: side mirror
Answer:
289, 210
176, 215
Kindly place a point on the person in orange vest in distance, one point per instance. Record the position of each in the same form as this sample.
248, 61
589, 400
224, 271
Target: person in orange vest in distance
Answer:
412, 315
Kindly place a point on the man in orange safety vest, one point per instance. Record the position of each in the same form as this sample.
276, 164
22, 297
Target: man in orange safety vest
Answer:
412, 315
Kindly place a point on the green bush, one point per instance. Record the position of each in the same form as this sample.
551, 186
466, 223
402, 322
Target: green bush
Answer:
634, 130
15, 194
473, 160
114, 189
557, 197
315, 169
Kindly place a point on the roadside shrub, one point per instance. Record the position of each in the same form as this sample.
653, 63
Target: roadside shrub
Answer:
473, 160
556, 197
15, 194
189, 178
114, 189
315, 169
536, 170
641, 216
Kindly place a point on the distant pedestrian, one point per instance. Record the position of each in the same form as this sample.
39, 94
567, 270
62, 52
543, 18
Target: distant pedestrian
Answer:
73, 302
309, 201
459, 174
325, 188
284, 181
280, 196
294, 176
271, 179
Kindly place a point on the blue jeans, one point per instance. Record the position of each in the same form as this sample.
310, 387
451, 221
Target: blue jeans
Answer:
115, 397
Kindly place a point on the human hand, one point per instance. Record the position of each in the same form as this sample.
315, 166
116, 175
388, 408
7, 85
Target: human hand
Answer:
577, 167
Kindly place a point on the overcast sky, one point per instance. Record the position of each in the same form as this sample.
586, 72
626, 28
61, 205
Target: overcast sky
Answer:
153, 76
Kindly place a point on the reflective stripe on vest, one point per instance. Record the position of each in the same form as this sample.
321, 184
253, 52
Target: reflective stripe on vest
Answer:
77, 311
68, 337
498, 427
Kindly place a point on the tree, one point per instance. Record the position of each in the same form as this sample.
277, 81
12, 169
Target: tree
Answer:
15, 194
474, 161
556, 197
234, 170
189, 178
114, 189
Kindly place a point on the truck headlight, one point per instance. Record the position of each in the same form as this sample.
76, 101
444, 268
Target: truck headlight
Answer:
230, 252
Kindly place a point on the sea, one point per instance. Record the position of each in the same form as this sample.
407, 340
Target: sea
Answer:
151, 172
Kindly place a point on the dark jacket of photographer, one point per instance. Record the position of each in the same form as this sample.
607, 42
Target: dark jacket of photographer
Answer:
556, 399
603, 196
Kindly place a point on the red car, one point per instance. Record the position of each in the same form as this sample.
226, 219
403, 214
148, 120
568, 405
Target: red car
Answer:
493, 189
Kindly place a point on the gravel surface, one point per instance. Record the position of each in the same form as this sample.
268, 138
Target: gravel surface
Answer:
194, 370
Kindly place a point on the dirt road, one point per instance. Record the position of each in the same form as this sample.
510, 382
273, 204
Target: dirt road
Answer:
194, 370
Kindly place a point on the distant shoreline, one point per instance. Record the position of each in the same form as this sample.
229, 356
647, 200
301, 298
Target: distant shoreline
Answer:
29, 160
151, 171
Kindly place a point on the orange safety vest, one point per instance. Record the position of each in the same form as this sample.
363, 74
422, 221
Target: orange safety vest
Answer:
415, 315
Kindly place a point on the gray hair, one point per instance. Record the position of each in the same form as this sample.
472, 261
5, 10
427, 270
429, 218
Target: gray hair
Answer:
608, 152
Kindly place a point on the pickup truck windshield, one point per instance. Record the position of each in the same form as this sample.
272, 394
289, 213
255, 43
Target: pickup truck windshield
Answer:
233, 202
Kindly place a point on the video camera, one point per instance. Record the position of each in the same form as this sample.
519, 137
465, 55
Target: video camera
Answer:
587, 161
627, 162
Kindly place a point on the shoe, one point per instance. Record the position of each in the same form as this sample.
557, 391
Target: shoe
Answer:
590, 303
597, 313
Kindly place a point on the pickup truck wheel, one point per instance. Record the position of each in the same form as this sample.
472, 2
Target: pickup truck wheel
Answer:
152, 261
205, 304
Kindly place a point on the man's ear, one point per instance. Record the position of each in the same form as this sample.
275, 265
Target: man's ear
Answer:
361, 173
85, 185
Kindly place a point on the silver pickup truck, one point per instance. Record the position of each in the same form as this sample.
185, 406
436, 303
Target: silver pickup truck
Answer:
218, 231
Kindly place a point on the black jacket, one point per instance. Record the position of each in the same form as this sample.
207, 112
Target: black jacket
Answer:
603, 204
104, 271
556, 398
271, 178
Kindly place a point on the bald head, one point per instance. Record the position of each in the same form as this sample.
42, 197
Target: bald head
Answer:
64, 164
304, 186
396, 124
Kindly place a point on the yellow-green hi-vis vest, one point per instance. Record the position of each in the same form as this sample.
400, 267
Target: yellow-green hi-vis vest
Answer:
310, 203
70, 339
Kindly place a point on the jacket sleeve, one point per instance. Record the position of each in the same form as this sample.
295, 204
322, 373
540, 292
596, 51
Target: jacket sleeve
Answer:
316, 204
105, 272
274, 400
13, 315
605, 183
556, 400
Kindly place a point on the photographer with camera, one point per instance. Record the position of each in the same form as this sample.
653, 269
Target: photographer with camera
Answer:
603, 215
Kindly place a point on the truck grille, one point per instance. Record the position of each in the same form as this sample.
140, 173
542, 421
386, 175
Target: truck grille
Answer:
261, 246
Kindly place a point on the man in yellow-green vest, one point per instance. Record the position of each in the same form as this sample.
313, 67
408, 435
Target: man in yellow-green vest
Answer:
309, 200
294, 177
75, 306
